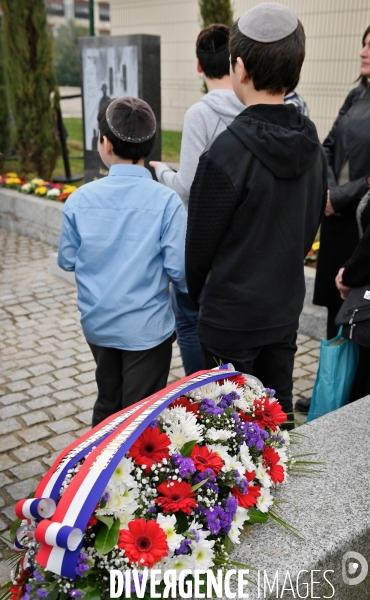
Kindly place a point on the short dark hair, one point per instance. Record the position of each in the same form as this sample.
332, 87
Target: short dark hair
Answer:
127, 150
213, 51
275, 66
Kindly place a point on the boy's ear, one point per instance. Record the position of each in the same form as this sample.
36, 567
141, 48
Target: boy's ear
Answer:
241, 71
199, 66
108, 146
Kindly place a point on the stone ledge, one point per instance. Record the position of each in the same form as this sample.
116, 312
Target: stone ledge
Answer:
28, 215
331, 512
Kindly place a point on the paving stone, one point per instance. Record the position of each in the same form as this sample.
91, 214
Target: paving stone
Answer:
12, 398
62, 441
88, 366
4, 480
85, 417
65, 362
299, 372
42, 390
42, 402
85, 403
28, 469
8, 442
6, 462
63, 384
29, 452
86, 377
37, 416
63, 426
82, 432
42, 380
9, 425
88, 388
51, 458
32, 434
63, 410
65, 373
9, 512
23, 488
85, 357
17, 375
66, 395
18, 386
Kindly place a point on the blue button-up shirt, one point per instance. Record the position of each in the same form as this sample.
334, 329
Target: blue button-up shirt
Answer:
124, 236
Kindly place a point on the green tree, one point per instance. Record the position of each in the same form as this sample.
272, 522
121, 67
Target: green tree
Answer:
31, 84
4, 112
66, 54
216, 11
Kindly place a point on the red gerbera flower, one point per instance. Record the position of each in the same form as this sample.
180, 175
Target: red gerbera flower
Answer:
185, 402
17, 589
269, 414
92, 521
270, 462
250, 498
240, 380
144, 542
244, 417
250, 475
206, 459
176, 496
151, 447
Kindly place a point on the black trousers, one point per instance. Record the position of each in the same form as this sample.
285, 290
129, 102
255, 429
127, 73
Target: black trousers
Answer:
272, 364
361, 384
124, 377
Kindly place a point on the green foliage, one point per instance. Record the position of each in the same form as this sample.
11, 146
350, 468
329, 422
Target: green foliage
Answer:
216, 11
4, 112
66, 54
30, 82
107, 537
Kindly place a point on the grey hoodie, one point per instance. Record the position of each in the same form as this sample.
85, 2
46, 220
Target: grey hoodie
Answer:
203, 121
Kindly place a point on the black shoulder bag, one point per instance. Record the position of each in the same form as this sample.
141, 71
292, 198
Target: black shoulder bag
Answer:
354, 316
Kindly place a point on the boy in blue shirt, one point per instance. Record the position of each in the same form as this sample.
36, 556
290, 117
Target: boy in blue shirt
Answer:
124, 236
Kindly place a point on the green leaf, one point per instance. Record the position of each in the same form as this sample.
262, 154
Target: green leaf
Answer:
108, 521
187, 449
228, 544
107, 538
198, 485
91, 594
256, 516
14, 528
53, 595
182, 522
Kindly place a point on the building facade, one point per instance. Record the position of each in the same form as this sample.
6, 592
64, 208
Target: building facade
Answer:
334, 29
61, 12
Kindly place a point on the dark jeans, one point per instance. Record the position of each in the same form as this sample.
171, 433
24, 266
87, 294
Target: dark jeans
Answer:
272, 364
186, 330
127, 376
331, 327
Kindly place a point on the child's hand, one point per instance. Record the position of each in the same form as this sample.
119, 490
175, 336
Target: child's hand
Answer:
154, 163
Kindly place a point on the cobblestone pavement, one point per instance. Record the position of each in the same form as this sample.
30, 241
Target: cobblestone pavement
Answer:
47, 383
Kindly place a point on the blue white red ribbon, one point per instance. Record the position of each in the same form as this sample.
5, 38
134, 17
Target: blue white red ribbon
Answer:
61, 536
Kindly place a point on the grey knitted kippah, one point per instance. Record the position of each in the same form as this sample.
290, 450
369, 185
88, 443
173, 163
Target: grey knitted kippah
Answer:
131, 119
268, 22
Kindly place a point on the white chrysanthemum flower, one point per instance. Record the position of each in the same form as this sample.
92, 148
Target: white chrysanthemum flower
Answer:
229, 386
234, 534
246, 458
179, 435
220, 450
217, 435
233, 464
243, 404
265, 500
125, 518
240, 517
175, 414
203, 554
285, 434
262, 476
282, 452
168, 525
211, 391
122, 478
119, 503
178, 563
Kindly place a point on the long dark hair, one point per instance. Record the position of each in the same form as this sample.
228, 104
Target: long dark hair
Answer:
364, 80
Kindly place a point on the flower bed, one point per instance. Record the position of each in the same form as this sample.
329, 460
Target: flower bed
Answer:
167, 484
38, 187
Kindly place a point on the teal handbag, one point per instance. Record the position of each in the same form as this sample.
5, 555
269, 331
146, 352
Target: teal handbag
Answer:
335, 375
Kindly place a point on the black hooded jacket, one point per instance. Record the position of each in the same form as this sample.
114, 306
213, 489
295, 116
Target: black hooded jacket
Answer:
255, 206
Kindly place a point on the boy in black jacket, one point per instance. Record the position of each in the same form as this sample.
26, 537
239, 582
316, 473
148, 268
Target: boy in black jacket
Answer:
255, 206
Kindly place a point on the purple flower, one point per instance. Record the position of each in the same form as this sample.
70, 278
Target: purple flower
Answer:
211, 483
254, 435
37, 576
230, 505
184, 547
26, 596
152, 509
42, 593
185, 465
227, 399
75, 594
154, 424
105, 497
81, 565
271, 392
197, 536
28, 588
210, 408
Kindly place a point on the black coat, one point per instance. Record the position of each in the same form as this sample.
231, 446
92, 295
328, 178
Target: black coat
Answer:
255, 206
357, 268
349, 140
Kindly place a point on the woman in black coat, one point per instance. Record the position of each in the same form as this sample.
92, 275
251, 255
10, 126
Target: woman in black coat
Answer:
356, 273
347, 149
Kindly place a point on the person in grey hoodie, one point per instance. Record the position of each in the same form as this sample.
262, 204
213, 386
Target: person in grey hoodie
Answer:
203, 122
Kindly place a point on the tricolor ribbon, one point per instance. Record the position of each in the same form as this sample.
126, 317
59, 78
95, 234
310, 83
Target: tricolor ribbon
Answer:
61, 536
